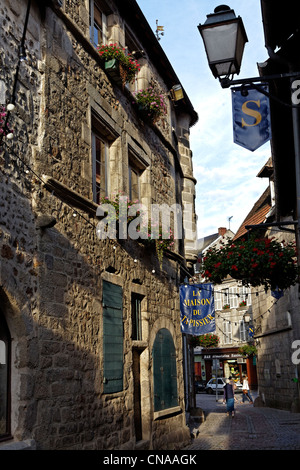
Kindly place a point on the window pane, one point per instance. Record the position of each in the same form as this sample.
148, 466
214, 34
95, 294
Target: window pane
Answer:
99, 168
134, 192
136, 301
97, 24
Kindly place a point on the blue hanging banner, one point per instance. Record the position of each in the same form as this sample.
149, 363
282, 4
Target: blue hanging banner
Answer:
251, 331
251, 117
197, 309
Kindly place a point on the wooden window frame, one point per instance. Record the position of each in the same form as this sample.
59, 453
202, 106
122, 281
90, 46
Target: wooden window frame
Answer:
100, 178
98, 12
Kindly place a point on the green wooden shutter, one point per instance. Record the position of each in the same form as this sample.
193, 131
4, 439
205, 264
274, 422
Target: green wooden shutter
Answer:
164, 370
112, 337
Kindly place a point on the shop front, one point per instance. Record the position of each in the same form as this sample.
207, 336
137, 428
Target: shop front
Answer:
224, 362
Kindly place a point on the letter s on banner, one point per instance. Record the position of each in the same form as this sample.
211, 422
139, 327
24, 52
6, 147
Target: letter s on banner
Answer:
251, 112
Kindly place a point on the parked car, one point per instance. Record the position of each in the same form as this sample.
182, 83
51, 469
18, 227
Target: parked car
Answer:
200, 386
211, 385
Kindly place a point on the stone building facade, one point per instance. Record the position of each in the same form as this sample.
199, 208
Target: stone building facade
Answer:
91, 351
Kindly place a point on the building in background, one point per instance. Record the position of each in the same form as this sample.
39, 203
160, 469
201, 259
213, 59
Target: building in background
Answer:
233, 316
91, 350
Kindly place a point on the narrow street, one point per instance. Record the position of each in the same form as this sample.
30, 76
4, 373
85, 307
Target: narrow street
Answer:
252, 428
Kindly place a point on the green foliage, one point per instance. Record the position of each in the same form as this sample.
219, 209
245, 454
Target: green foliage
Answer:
248, 350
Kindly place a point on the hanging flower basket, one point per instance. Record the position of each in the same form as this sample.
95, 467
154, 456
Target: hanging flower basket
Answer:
255, 262
120, 66
248, 350
150, 104
208, 341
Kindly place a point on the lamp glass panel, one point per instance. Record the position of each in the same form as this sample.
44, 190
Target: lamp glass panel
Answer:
220, 41
226, 68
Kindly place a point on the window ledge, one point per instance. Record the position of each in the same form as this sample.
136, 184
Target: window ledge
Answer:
168, 412
139, 344
69, 195
28, 444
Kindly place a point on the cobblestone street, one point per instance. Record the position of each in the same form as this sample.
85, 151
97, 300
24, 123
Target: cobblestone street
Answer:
252, 428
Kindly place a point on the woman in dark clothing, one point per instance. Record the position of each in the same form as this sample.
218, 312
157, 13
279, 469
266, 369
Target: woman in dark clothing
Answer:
229, 398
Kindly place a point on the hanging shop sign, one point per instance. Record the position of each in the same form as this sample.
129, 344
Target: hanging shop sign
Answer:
251, 331
251, 117
197, 310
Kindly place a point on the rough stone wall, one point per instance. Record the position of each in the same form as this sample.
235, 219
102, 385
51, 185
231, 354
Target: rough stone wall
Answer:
276, 325
51, 278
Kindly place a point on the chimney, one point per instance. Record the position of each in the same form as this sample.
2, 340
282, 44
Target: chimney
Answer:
222, 231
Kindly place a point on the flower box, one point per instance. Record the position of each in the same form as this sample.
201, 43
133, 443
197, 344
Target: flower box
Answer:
150, 104
118, 64
112, 68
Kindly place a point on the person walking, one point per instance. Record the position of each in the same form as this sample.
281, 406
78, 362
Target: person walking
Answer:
246, 391
229, 398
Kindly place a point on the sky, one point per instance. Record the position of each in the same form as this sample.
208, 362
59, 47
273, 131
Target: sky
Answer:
227, 185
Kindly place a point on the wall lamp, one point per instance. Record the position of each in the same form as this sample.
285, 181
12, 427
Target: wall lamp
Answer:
176, 93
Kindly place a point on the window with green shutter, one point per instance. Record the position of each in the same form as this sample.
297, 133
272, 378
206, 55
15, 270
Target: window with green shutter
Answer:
112, 338
164, 370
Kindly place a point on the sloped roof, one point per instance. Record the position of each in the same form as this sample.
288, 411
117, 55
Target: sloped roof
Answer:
257, 214
204, 242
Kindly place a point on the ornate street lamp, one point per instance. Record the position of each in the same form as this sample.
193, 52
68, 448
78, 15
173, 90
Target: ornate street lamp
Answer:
224, 38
